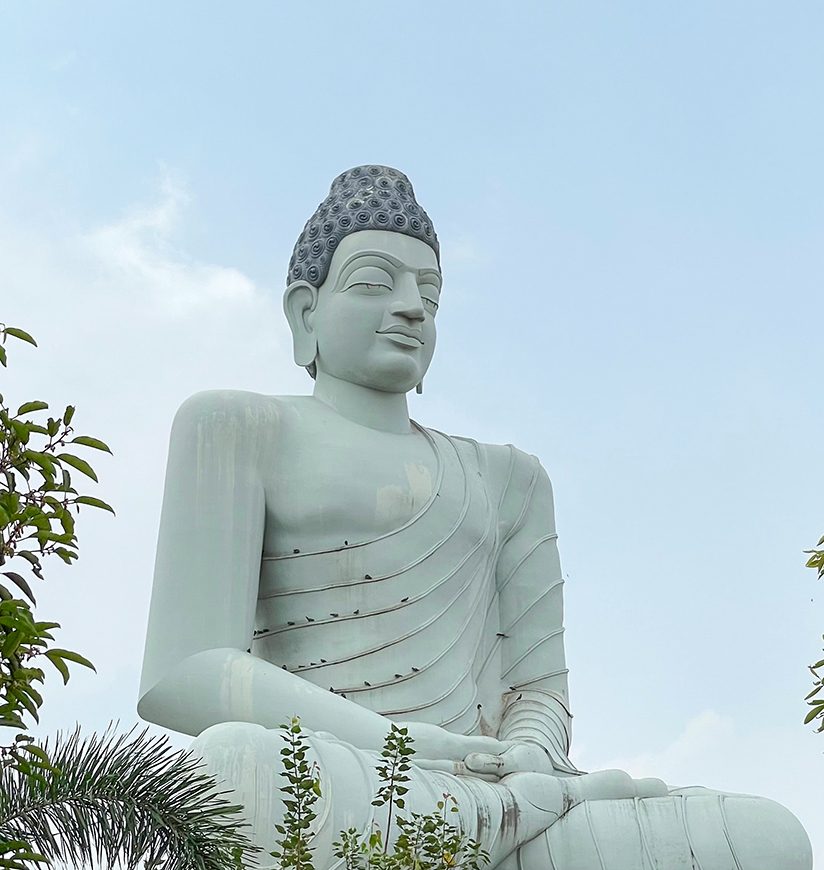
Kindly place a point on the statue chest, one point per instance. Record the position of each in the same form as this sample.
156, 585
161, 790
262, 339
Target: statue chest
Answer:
327, 493
383, 615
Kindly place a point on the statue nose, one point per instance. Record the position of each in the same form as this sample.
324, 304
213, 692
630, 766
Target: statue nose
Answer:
411, 311
406, 301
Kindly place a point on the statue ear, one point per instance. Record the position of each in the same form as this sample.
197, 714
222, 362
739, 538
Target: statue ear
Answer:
299, 302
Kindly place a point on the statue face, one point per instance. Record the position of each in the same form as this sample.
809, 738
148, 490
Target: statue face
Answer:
374, 322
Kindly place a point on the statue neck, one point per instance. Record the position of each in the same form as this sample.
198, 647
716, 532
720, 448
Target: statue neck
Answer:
363, 405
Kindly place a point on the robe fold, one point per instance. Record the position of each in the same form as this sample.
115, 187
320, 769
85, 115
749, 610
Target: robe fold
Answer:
455, 618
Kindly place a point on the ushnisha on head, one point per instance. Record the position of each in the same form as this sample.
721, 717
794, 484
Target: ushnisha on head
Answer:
364, 283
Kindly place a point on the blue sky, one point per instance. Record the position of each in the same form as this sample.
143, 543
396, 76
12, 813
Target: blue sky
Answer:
628, 197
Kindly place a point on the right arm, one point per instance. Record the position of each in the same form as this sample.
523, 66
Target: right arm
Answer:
197, 670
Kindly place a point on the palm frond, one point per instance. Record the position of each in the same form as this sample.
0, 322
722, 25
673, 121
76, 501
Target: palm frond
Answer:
122, 801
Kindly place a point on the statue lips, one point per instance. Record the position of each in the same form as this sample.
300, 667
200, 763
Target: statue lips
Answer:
406, 336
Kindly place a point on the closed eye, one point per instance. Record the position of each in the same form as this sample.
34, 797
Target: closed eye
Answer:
429, 296
370, 280
370, 289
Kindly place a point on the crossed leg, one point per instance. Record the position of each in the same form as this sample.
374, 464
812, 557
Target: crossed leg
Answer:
690, 829
528, 822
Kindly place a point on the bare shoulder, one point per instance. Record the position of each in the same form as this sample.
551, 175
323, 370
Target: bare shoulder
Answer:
236, 422
236, 408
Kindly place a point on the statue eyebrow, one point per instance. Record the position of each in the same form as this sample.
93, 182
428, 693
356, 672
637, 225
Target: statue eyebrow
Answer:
352, 265
379, 255
388, 258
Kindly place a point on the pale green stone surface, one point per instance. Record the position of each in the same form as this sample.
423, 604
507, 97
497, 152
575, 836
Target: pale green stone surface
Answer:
326, 556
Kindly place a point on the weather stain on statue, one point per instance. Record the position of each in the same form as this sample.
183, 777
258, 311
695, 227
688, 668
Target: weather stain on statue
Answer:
510, 816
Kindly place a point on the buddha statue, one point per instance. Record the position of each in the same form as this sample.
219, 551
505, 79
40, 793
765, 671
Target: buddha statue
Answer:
329, 557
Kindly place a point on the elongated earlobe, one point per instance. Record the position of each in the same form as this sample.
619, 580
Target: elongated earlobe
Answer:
299, 303
419, 388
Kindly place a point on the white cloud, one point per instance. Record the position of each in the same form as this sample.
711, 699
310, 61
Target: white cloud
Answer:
140, 254
129, 324
703, 737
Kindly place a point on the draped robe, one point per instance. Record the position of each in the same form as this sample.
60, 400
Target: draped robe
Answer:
447, 619
466, 631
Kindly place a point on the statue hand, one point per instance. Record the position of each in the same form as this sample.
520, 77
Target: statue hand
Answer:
439, 749
518, 758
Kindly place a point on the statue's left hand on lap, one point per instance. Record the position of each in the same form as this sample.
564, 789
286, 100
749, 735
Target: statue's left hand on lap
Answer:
517, 758
437, 748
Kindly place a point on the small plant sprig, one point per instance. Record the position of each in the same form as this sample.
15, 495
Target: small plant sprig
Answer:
816, 705
397, 750
816, 559
424, 842
431, 841
302, 791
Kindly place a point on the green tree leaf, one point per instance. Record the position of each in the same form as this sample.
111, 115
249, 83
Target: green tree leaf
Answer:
70, 656
29, 407
42, 460
19, 333
21, 583
78, 463
88, 441
58, 662
93, 502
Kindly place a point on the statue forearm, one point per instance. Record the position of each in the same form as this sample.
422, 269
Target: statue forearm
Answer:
228, 685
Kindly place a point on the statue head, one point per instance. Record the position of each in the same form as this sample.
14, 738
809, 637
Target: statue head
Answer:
364, 283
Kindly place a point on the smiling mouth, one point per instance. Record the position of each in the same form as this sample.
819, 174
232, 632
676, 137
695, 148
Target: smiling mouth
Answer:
403, 335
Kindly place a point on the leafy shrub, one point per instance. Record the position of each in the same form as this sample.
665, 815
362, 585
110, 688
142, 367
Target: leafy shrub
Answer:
421, 842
